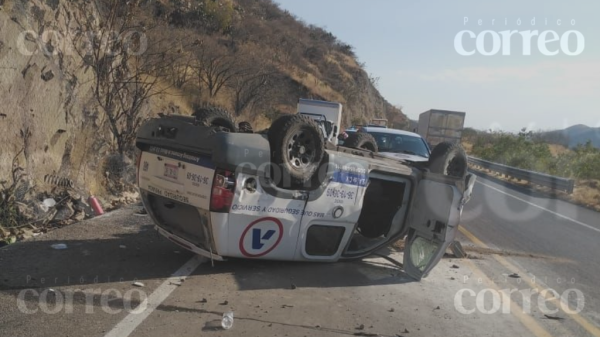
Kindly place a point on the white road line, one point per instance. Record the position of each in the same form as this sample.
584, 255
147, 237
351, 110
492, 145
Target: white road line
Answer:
134, 319
542, 208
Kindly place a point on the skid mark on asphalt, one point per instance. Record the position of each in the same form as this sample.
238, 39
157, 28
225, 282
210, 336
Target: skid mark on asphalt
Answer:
542, 208
135, 318
535, 285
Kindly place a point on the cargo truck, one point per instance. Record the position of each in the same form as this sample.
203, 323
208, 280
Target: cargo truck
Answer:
438, 126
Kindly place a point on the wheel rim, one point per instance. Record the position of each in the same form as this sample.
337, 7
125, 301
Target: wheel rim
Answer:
301, 150
455, 168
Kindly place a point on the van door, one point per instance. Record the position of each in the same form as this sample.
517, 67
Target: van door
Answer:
263, 224
434, 221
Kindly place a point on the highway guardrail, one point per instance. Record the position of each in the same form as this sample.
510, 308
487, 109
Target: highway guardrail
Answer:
537, 178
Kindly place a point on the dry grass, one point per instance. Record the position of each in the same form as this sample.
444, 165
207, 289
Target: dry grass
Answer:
556, 149
317, 87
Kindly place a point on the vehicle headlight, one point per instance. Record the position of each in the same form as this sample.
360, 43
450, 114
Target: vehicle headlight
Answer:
421, 252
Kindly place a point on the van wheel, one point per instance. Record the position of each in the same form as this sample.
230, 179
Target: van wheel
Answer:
215, 117
361, 140
449, 159
297, 147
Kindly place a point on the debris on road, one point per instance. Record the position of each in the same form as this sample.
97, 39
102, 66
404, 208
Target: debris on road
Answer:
138, 284
224, 303
556, 318
203, 300
454, 266
437, 308
227, 321
47, 203
360, 327
59, 246
458, 250
391, 310
514, 275
293, 286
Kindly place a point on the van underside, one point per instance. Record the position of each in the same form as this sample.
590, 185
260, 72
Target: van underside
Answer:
383, 215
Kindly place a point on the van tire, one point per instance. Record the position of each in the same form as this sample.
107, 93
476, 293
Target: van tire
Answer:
362, 141
449, 159
215, 117
297, 147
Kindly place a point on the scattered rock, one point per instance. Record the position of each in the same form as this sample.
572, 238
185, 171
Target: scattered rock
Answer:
79, 216
514, 275
293, 286
392, 310
26, 210
556, 318
138, 284
406, 330
47, 76
437, 308
224, 303
203, 300
64, 212
454, 266
360, 327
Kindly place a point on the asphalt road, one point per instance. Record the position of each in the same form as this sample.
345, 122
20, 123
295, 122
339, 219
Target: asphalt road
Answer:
88, 289
557, 243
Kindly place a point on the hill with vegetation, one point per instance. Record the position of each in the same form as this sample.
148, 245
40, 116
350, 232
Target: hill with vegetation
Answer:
79, 77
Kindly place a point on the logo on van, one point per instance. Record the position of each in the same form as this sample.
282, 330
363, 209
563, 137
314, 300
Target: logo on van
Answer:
261, 237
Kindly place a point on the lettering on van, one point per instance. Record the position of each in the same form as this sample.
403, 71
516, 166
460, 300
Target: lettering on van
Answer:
177, 197
155, 190
167, 194
275, 210
180, 155
198, 179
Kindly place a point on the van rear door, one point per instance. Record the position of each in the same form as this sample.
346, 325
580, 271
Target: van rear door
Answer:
176, 190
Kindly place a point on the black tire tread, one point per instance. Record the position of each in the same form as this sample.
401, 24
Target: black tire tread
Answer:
276, 135
443, 153
216, 117
358, 140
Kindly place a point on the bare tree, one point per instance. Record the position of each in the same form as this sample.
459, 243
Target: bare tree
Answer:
114, 44
252, 86
215, 66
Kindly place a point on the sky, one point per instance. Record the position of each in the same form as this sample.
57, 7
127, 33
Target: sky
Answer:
410, 46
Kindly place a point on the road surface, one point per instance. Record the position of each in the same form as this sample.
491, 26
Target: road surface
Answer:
88, 289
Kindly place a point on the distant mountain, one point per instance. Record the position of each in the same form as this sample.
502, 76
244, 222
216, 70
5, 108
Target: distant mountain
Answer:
581, 134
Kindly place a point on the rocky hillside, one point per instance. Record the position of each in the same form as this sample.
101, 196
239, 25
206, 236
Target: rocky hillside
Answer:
64, 113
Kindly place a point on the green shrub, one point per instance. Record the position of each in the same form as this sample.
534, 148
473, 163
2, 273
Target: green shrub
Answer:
527, 152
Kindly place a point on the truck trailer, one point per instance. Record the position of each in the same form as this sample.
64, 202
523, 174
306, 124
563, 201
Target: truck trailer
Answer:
438, 126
